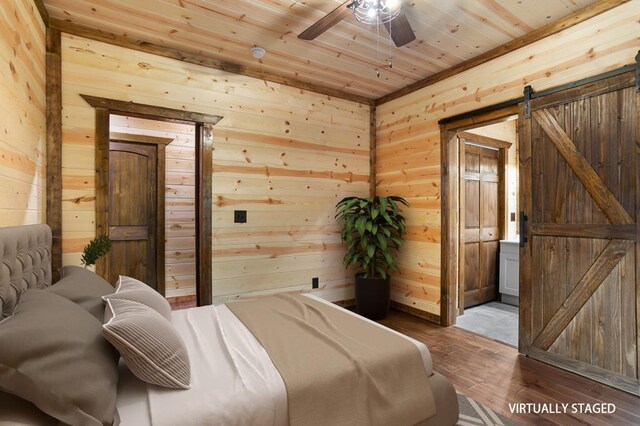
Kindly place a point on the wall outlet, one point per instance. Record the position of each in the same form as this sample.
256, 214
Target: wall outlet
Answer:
314, 282
239, 216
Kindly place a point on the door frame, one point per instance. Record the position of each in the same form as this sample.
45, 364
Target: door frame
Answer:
450, 198
160, 143
502, 147
204, 123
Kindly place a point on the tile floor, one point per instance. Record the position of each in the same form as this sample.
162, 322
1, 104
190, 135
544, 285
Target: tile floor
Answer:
494, 320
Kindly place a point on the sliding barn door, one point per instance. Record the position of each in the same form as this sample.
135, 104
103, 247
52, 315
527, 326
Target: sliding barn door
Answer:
579, 268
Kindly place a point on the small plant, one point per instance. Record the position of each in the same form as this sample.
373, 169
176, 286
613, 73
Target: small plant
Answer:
96, 248
372, 228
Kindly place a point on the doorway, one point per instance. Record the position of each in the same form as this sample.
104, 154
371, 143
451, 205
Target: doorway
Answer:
202, 176
579, 280
486, 205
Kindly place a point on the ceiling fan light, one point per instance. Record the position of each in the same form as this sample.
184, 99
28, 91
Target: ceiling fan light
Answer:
374, 12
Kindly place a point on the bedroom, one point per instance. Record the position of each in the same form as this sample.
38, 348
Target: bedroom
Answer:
294, 138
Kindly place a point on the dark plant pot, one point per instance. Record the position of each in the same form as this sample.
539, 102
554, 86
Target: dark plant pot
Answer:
372, 297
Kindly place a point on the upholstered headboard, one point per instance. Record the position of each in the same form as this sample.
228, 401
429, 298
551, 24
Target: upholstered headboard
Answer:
25, 262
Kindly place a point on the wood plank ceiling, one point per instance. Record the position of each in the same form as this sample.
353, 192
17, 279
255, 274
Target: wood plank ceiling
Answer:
343, 58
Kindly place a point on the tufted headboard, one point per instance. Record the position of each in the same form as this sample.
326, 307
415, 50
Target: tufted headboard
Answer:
25, 262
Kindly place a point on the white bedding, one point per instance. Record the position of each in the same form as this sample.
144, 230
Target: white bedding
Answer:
233, 381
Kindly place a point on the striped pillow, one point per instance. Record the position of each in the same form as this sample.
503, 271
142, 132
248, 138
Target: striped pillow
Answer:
134, 290
149, 344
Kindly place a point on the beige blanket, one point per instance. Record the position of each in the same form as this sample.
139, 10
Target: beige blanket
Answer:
338, 369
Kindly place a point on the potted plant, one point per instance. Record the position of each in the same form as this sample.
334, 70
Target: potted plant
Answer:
372, 229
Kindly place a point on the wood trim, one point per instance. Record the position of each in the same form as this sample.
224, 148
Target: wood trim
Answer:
54, 147
450, 183
485, 140
637, 255
160, 215
525, 40
620, 232
372, 151
133, 109
102, 183
462, 193
204, 188
525, 203
193, 58
598, 374
131, 137
592, 182
503, 162
42, 10
481, 118
428, 316
588, 284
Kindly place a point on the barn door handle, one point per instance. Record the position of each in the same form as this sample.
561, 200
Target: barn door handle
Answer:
523, 229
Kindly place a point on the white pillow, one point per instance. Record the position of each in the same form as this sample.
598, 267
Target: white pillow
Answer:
134, 290
149, 344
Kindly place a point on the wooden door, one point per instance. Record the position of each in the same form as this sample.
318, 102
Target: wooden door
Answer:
133, 212
480, 219
579, 299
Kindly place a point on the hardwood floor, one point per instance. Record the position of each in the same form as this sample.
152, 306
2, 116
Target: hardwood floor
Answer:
495, 374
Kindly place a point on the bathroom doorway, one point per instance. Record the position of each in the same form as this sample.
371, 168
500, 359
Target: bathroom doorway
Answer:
485, 206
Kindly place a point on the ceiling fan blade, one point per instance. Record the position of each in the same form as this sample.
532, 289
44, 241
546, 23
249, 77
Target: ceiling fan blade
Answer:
400, 30
332, 18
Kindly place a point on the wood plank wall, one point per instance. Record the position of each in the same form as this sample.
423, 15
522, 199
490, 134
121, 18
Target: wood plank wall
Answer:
283, 154
180, 198
408, 137
22, 114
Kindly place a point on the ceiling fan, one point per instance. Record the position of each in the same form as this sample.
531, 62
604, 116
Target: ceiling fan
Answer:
397, 25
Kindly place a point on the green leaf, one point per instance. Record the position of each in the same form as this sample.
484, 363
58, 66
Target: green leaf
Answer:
96, 248
382, 242
371, 250
383, 205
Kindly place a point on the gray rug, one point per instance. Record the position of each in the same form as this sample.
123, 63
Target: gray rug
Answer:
472, 413
495, 320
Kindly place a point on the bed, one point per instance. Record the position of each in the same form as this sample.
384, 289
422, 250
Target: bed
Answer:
234, 381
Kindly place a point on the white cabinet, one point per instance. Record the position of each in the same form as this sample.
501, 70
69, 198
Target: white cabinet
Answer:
509, 270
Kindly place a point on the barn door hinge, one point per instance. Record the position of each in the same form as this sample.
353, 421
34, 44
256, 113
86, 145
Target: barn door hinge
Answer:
528, 91
638, 72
